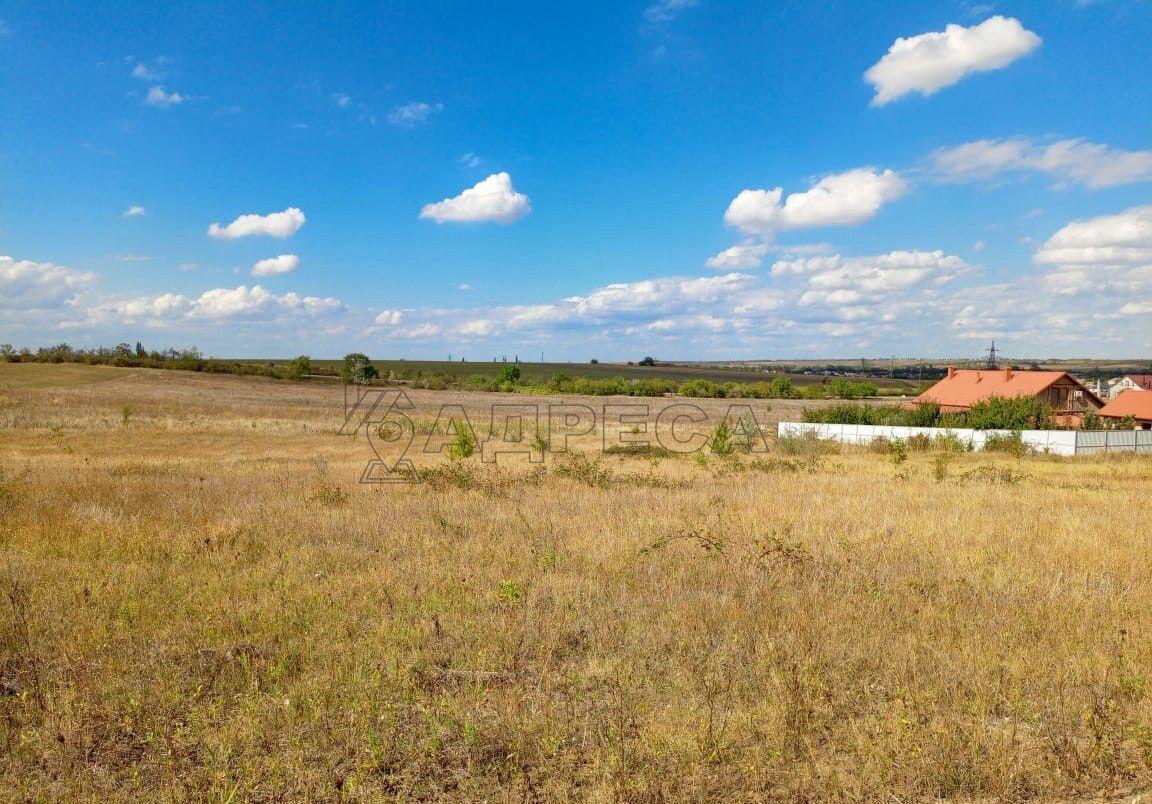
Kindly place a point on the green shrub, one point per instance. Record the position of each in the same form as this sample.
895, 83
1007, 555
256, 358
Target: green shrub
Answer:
1010, 413
721, 441
1011, 443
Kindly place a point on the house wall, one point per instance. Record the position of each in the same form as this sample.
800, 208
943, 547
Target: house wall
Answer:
1066, 397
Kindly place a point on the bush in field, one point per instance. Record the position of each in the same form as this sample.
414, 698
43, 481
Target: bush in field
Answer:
357, 368
700, 389
721, 440
1003, 413
1011, 443
781, 388
299, 366
509, 374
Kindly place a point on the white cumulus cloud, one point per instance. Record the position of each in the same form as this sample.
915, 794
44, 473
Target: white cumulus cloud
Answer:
835, 200
284, 264
390, 318
157, 96
27, 285
492, 199
135, 211
1069, 160
1108, 257
1125, 239
743, 255
277, 224
931, 61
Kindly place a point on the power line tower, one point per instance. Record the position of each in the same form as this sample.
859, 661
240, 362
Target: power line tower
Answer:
991, 363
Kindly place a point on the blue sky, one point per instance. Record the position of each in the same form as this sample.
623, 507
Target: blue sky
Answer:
691, 179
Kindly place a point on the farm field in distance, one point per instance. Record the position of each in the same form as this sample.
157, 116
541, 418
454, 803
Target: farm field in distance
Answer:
542, 372
198, 601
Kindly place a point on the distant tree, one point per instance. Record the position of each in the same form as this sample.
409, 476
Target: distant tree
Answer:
299, 366
122, 350
593, 361
140, 350
7, 352
357, 368
781, 388
648, 361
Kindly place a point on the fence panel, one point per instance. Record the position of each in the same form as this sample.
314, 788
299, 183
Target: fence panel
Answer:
1057, 442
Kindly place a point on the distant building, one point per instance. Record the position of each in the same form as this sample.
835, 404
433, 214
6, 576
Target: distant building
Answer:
1134, 403
1069, 398
1130, 382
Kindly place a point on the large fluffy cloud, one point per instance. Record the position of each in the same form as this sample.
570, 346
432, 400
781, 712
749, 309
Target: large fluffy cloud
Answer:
1109, 258
1123, 239
27, 285
835, 200
492, 199
1070, 160
277, 224
929, 62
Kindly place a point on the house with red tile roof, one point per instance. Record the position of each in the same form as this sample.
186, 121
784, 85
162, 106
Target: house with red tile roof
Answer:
1137, 404
1069, 398
1135, 382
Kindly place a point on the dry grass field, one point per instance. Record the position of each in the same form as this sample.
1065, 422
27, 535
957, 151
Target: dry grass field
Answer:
198, 602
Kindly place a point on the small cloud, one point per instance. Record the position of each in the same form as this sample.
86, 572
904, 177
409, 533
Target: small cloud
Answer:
413, 114
135, 211
667, 10
342, 100
157, 96
470, 160
390, 318
465, 287
284, 264
186, 267
1034, 213
748, 254
146, 73
979, 245
277, 224
129, 257
492, 199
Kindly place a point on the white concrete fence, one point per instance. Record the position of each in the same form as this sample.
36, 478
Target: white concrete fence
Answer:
1056, 442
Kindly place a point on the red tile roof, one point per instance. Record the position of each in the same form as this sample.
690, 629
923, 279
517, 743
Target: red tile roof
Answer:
1137, 404
966, 387
1143, 380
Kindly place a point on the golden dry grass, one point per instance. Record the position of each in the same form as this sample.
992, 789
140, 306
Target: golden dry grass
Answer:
203, 604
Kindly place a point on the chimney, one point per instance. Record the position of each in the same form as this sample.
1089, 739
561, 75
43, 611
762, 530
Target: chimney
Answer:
1007, 374
951, 372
